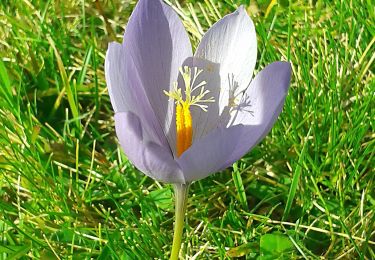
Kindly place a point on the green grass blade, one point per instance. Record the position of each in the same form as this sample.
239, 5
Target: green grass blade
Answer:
295, 180
66, 84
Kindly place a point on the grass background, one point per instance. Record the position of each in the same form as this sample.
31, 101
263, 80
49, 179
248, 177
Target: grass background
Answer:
68, 191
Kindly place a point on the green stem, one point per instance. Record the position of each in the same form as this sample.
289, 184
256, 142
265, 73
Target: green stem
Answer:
181, 195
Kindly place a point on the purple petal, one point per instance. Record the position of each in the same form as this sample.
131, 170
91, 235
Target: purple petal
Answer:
231, 42
204, 122
223, 146
157, 43
210, 153
126, 94
264, 101
152, 159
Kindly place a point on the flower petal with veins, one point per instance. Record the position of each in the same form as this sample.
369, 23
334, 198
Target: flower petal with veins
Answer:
143, 74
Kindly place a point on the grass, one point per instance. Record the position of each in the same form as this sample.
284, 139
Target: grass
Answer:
68, 191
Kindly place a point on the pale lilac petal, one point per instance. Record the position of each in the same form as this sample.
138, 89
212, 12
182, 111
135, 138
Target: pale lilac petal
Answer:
218, 150
127, 94
116, 77
210, 153
152, 159
204, 121
157, 43
262, 101
231, 42
223, 146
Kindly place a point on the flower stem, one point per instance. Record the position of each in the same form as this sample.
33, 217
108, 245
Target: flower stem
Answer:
181, 195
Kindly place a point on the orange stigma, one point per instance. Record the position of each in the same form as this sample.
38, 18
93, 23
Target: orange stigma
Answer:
184, 129
184, 121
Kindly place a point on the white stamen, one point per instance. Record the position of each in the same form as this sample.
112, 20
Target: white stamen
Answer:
190, 75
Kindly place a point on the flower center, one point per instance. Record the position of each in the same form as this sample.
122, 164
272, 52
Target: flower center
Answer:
184, 121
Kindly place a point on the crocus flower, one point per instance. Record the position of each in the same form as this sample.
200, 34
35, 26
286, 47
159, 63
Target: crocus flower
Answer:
180, 117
